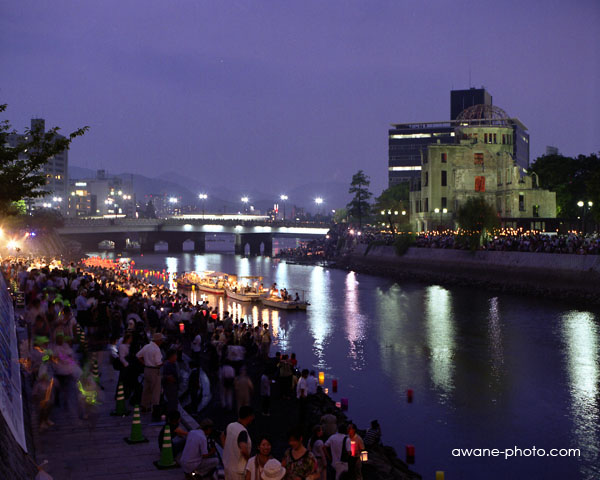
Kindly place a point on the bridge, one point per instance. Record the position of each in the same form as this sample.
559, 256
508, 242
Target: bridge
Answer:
252, 232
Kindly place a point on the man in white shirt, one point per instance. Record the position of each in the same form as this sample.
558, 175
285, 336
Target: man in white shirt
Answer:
334, 446
151, 357
312, 383
238, 445
302, 395
196, 457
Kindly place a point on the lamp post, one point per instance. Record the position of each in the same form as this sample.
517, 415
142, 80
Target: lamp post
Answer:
586, 206
245, 201
203, 197
283, 199
319, 202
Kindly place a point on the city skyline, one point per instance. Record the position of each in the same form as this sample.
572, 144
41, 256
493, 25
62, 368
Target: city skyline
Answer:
223, 92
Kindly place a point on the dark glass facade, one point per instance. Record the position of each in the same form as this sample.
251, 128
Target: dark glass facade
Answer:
461, 99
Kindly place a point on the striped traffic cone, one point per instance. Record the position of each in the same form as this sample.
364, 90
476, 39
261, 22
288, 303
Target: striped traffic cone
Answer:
120, 410
166, 452
136, 428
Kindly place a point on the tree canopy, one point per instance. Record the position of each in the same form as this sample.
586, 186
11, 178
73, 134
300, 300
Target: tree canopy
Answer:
359, 207
21, 166
476, 215
573, 179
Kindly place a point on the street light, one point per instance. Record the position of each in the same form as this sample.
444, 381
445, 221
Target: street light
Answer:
283, 199
173, 200
203, 197
586, 207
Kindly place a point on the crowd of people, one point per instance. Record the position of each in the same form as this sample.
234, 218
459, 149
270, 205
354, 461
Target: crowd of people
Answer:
516, 241
161, 344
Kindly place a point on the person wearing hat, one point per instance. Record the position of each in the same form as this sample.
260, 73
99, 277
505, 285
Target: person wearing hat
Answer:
273, 470
197, 458
151, 357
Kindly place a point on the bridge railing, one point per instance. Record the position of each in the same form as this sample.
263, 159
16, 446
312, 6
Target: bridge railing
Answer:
98, 222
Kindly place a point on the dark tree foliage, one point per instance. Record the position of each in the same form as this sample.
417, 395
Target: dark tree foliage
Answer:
573, 180
476, 216
359, 207
21, 174
150, 211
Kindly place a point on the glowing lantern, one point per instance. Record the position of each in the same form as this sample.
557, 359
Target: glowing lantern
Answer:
321, 378
326, 391
353, 448
439, 475
181, 328
364, 457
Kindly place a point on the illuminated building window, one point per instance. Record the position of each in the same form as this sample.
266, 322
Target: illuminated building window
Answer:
480, 184
399, 136
404, 169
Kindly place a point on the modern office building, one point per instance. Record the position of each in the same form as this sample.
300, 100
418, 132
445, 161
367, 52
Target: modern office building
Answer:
101, 196
56, 171
479, 163
408, 141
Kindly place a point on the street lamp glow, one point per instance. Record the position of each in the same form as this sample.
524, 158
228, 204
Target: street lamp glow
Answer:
245, 199
383, 212
437, 210
318, 200
444, 210
203, 196
283, 197
580, 203
403, 212
173, 200
590, 204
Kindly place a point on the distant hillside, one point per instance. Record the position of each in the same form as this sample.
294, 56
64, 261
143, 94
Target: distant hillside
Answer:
221, 198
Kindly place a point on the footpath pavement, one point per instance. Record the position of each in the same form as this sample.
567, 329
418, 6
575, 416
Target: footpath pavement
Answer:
94, 448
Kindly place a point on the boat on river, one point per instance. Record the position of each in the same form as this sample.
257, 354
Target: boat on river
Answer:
278, 302
207, 282
246, 289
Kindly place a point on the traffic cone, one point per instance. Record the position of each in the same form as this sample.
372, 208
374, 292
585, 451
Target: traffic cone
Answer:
120, 410
136, 428
166, 452
95, 371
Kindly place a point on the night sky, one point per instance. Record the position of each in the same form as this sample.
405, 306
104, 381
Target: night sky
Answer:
252, 93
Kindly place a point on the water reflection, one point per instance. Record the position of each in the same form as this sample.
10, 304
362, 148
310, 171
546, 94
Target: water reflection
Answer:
582, 343
441, 334
495, 339
172, 266
355, 323
319, 314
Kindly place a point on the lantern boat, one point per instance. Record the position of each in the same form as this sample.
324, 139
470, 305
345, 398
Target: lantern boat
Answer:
247, 289
208, 282
276, 301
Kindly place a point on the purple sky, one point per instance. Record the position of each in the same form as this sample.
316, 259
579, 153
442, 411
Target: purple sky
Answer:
251, 93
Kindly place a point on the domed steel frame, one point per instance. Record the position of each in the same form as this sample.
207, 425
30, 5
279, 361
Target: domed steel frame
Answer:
484, 114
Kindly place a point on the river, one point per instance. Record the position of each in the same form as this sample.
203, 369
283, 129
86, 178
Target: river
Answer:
487, 370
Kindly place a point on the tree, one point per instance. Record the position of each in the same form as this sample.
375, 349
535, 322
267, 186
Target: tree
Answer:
475, 217
573, 180
359, 206
392, 202
21, 166
340, 215
150, 211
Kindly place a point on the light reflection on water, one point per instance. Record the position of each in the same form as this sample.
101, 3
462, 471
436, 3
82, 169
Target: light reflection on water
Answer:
440, 337
319, 315
495, 342
582, 342
355, 323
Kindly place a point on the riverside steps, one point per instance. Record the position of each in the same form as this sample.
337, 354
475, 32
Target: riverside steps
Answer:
94, 448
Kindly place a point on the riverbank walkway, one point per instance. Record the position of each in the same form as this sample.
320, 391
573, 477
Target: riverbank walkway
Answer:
95, 449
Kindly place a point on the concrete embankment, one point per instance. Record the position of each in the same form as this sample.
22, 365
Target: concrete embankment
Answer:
563, 276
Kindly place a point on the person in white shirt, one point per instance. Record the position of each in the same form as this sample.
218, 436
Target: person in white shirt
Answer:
302, 395
312, 383
197, 457
334, 446
151, 357
256, 464
238, 445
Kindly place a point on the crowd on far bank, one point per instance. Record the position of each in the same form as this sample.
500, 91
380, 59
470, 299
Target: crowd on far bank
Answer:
504, 241
160, 344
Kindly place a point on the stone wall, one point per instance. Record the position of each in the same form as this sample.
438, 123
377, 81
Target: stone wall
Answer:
573, 277
15, 464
